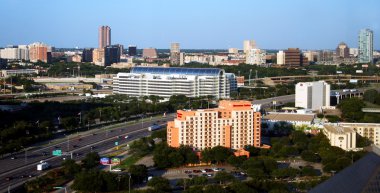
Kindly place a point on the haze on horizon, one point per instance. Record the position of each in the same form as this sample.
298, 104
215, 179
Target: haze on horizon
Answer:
195, 24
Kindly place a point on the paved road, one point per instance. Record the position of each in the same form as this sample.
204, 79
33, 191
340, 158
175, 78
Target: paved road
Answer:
19, 169
279, 100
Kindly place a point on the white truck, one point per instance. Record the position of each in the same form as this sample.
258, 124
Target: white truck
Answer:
42, 166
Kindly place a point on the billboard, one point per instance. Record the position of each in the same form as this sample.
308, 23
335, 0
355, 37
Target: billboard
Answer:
105, 161
115, 161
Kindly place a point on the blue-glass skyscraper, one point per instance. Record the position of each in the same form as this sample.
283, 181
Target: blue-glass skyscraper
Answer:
365, 46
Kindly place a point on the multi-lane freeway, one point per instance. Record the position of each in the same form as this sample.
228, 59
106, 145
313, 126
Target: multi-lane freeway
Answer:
18, 168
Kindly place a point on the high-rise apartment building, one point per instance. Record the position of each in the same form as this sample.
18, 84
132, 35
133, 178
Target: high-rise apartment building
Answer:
104, 36
87, 55
166, 82
234, 124
175, 53
342, 51
39, 52
248, 45
132, 50
366, 46
312, 95
255, 56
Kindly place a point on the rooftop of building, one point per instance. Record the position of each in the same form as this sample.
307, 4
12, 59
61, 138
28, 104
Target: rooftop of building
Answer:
289, 117
360, 124
338, 129
176, 70
359, 177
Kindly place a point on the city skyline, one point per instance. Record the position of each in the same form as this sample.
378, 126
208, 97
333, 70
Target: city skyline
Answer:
206, 25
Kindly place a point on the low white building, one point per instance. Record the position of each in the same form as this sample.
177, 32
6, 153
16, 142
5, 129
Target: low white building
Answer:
339, 136
294, 119
7, 73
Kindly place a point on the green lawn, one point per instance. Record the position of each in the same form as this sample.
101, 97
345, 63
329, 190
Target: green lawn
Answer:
130, 160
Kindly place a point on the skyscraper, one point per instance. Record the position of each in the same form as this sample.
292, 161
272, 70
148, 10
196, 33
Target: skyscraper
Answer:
104, 36
249, 45
365, 46
174, 53
132, 50
343, 51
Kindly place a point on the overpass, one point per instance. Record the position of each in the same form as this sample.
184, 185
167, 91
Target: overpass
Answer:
330, 78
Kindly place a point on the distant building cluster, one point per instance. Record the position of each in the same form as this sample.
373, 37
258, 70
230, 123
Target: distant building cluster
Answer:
34, 52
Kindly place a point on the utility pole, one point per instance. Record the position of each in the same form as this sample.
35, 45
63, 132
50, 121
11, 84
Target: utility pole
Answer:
250, 71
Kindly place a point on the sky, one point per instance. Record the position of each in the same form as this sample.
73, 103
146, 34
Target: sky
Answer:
195, 24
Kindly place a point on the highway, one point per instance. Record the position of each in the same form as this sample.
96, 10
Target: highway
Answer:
20, 169
268, 102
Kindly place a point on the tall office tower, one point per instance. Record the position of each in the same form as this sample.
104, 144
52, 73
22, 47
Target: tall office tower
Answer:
39, 52
98, 56
121, 48
366, 46
175, 53
111, 55
280, 57
325, 56
234, 124
354, 52
294, 58
150, 53
255, 56
312, 95
248, 45
233, 50
104, 36
132, 50
342, 51
87, 55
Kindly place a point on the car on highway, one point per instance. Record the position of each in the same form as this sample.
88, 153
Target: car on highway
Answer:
13, 157
44, 153
75, 146
9, 178
92, 147
126, 137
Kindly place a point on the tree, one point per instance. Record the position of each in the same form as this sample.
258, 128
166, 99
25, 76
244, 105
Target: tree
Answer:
138, 172
310, 156
214, 189
236, 161
88, 181
69, 123
91, 160
159, 183
256, 173
352, 109
239, 187
220, 154
70, 168
370, 95
223, 177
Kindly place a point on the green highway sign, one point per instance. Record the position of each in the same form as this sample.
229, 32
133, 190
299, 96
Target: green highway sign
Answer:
57, 152
116, 143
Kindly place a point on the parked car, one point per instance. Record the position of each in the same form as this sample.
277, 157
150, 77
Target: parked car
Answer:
209, 170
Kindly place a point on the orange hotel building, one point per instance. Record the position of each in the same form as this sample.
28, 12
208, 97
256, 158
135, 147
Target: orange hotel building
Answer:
234, 124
